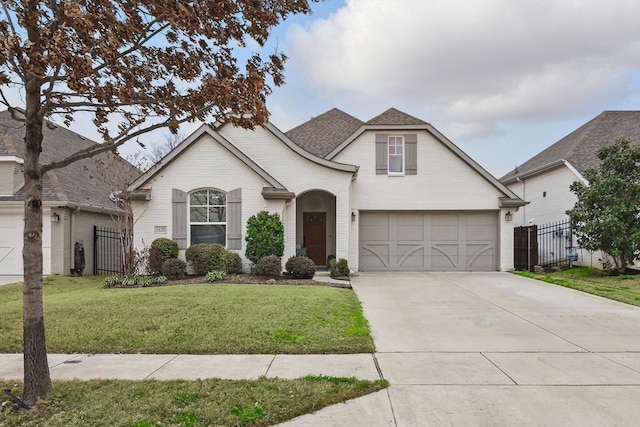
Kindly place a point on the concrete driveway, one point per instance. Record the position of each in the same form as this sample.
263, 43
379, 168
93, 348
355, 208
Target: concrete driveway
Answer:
495, 349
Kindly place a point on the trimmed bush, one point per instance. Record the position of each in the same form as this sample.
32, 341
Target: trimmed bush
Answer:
269, 266
205, 257
232, 263
216, 276
339, 268
265, 236
300, 267
173, 268
161, 250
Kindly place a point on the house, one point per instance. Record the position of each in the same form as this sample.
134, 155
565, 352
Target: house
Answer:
544, 179
75, 198
388, 194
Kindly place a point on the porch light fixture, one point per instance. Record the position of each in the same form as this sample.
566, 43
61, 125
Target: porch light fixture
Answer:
55, 217
353, 217
508, 216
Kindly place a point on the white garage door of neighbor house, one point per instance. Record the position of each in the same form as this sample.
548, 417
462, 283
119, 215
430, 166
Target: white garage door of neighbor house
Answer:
428, 241
10, 244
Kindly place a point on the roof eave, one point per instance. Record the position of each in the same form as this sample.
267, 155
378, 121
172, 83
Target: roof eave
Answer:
535, 171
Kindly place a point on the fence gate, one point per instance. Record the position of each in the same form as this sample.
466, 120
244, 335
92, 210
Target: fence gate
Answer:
546, 245
525, 247
107, 251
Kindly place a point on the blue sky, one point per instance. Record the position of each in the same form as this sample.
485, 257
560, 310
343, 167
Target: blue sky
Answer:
503, 79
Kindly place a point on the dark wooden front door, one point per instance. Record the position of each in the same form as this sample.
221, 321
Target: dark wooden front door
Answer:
314, 232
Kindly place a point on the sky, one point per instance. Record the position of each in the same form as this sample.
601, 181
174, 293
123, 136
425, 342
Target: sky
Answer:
502, 79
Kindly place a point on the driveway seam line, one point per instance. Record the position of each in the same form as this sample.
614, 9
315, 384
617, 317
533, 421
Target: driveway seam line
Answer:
498, 368
393, 412
377, 365
273, 359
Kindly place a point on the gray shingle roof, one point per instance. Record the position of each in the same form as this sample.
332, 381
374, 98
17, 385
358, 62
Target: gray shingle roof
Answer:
580, 147
323, 133
395, 117
84, 182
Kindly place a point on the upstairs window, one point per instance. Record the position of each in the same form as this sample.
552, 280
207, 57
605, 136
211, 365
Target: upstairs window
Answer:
208, 216
395, 148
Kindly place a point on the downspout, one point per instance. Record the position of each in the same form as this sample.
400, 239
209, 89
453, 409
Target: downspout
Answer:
524, 197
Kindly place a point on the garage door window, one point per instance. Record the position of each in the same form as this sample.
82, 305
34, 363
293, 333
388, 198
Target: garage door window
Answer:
208, 216
396, 155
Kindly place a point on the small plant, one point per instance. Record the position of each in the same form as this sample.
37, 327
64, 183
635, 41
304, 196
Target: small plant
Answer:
339, 268
248, 414
174, 268
113, 281
216, 276
265, 236
232, 263
161, 250
205, 257
300, 267
269, 266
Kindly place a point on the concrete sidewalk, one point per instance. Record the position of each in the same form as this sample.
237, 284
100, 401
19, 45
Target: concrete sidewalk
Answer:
192, 367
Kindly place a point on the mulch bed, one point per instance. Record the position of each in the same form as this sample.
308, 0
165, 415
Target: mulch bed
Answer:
259, 280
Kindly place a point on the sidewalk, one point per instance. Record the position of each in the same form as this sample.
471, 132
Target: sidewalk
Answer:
192, 367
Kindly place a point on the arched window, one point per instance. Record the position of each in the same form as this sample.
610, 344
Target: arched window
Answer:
208, 216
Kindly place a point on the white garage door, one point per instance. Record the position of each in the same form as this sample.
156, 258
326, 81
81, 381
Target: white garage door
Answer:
428, 241
10, 244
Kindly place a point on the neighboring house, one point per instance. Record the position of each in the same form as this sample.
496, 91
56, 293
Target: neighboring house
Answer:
75, 198
389, 194
544, 179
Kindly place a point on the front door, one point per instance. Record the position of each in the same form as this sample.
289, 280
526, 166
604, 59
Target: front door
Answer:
314, 232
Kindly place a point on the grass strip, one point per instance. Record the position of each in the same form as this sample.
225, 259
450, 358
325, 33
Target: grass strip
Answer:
211, 402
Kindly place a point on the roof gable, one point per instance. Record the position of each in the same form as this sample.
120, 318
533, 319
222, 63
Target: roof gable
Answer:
323, 133
580, 147
82, 183
395, 117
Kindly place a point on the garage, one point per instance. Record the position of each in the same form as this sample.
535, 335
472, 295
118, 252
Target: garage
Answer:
428, 241
10, 237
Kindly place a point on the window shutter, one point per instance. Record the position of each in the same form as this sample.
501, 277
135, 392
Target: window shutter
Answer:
411, 154
234, 219
179, 217
381, 154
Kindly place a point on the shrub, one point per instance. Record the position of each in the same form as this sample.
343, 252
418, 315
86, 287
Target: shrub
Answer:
216, 276
339, 268
300, 267
269, 266
232, 263
161, 250
205, 257
174, 267
265, 236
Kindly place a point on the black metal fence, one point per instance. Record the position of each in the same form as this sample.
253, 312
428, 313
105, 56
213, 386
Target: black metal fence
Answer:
545, 245
107, 251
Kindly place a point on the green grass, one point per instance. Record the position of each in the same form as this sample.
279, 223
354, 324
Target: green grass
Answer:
212, 402
623, 288
82, 316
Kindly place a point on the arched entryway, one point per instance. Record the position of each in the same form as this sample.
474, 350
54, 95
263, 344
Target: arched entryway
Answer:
316, 225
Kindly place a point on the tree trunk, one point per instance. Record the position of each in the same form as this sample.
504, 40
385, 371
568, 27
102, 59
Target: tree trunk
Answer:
37, 380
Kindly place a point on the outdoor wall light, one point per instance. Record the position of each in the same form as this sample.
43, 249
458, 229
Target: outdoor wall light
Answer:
353, 217
508, 216
55, 217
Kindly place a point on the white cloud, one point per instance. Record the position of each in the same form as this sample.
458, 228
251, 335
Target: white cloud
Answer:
472, 63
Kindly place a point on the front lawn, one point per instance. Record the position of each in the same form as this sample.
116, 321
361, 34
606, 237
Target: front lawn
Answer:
623, 288
82, 316
211, 402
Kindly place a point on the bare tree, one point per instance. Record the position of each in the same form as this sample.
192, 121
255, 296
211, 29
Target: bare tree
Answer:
134, 66
158, 150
